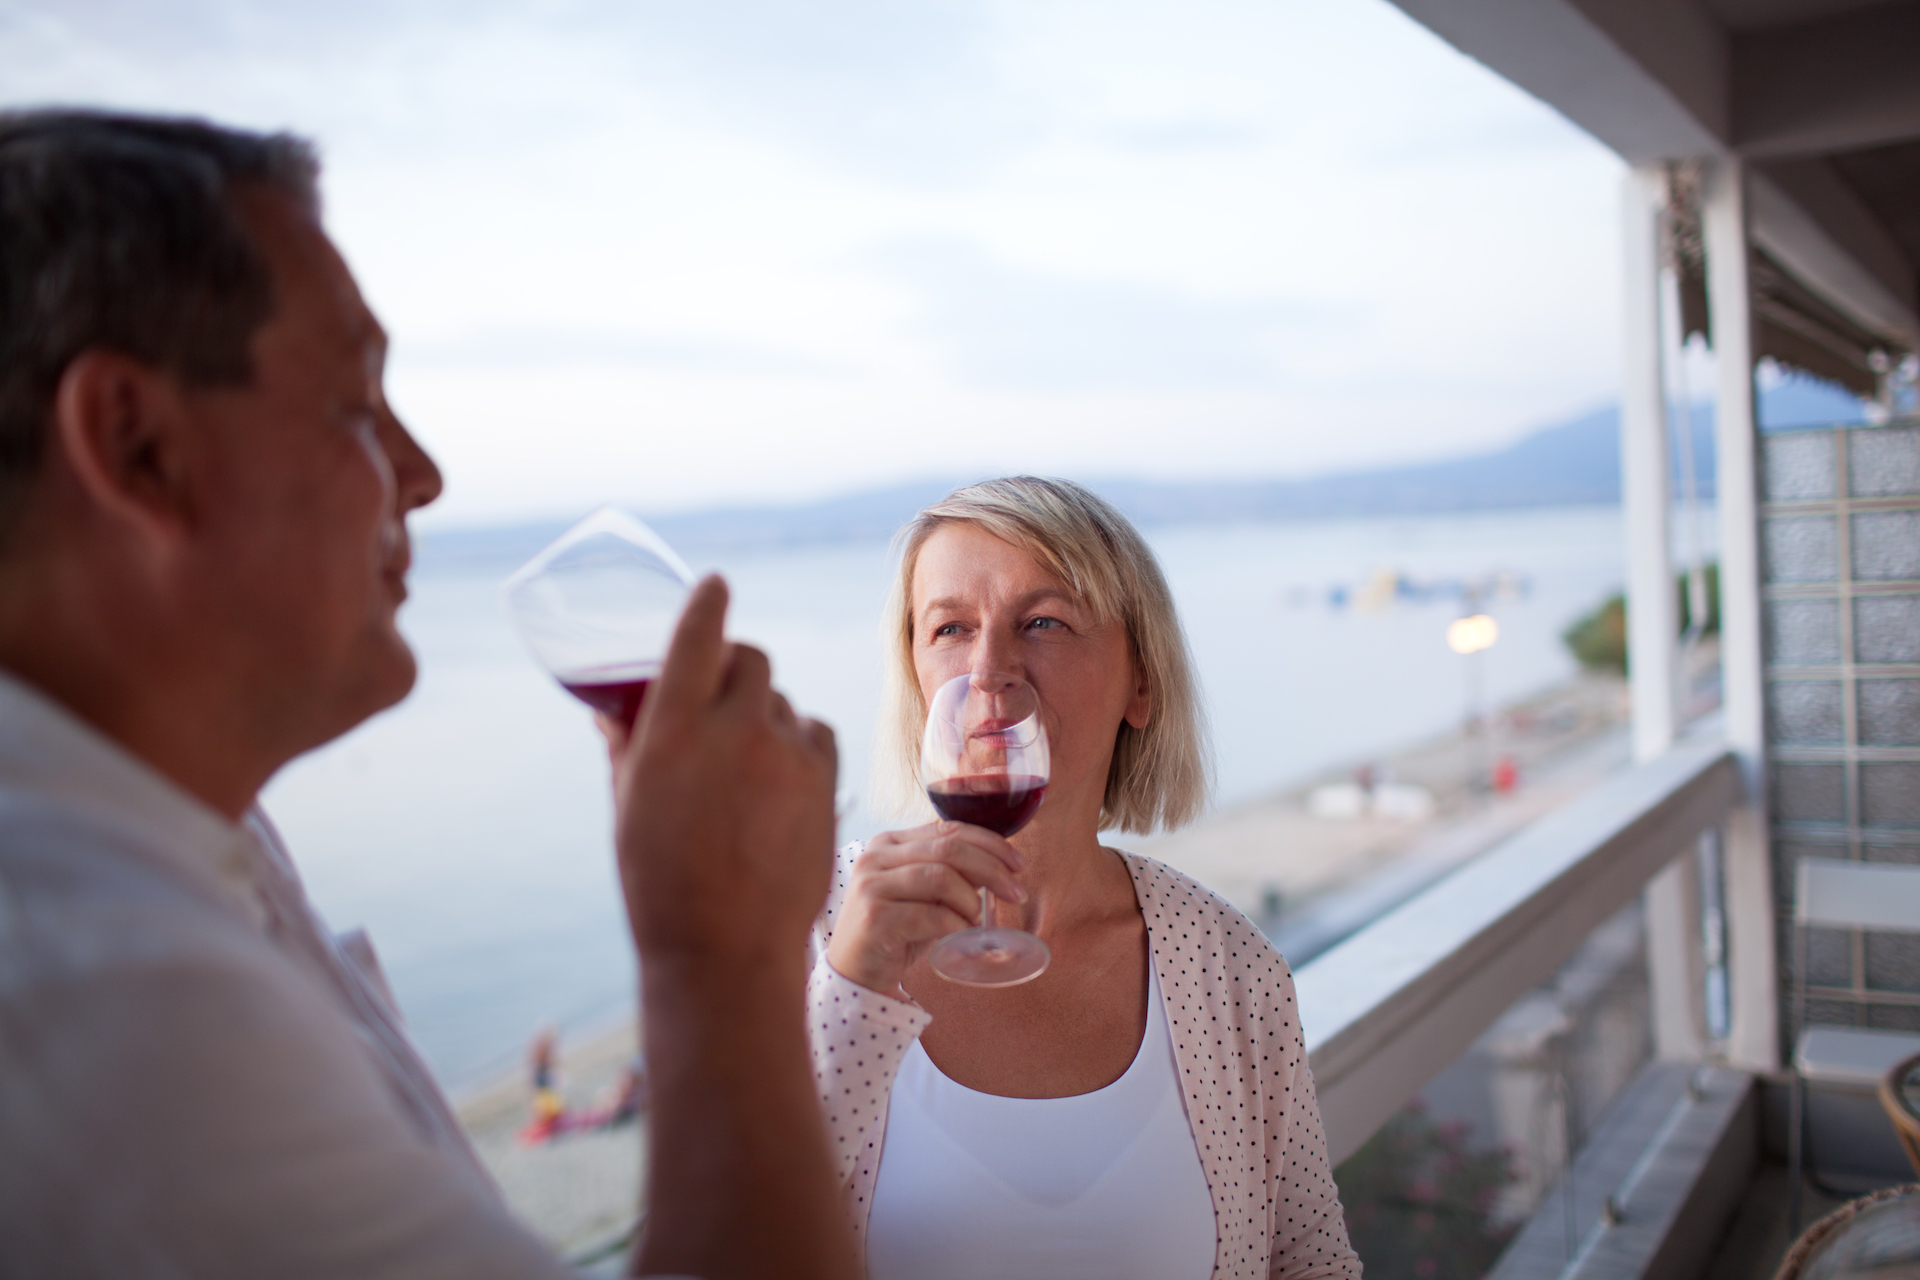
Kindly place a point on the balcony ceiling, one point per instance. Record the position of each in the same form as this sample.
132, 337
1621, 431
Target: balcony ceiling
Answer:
1757, 15
1887, 179
1821, 96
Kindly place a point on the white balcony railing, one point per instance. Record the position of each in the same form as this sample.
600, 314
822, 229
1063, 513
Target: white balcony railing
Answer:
1386, 1010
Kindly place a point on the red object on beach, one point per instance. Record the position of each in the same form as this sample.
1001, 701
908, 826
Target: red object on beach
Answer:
539, 1130
1506, 775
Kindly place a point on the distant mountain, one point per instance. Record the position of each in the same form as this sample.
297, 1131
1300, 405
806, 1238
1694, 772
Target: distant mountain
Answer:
1576, 463
865, 516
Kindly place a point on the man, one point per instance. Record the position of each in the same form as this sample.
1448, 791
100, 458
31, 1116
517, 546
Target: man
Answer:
203, 496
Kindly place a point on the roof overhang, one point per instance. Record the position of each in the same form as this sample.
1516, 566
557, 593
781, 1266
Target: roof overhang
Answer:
1813, 93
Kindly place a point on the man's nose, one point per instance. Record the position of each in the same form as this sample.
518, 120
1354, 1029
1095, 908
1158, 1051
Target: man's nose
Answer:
416, 478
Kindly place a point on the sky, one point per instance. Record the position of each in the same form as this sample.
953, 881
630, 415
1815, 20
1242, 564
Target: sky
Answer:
674, 253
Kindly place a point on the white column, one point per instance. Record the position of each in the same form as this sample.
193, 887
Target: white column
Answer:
1753, 1034
1653, 615
1646, 470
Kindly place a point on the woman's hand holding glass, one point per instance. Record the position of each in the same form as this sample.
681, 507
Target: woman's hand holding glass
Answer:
910, 889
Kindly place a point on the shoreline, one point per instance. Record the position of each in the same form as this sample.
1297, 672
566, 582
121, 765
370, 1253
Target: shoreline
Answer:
1277, 854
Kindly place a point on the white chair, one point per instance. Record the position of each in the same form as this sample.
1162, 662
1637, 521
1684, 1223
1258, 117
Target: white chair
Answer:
1834, 894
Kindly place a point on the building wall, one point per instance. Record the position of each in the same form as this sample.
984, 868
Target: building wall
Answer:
1840, 539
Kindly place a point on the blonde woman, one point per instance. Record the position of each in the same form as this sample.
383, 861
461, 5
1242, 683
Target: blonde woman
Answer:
1143, 1109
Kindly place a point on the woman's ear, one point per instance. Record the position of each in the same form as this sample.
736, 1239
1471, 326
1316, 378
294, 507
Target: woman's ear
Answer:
1140, 705
120, 428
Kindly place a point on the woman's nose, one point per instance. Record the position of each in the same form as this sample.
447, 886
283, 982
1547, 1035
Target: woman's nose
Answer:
992, 679
996, 657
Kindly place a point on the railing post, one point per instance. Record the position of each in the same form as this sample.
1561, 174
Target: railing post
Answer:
1676, 960
1753, 1025
1676, 969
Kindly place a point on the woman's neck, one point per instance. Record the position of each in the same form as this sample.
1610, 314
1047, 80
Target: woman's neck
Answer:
1070, 878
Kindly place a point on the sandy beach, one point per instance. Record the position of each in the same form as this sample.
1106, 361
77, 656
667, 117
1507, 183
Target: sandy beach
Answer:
579, 1191
1276, 852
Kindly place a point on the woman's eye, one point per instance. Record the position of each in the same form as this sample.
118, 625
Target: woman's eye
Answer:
1044, 624
949, 629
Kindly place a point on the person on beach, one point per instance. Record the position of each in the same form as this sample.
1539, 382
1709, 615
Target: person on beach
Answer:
1144, 1107
548, 1117
546, 1105
203, 505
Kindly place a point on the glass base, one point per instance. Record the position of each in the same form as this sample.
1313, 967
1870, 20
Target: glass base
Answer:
990, 957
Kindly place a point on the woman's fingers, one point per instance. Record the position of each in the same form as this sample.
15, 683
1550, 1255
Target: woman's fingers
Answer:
875, 943
912, 887
977, 867
936, 838
925, 884
924, 922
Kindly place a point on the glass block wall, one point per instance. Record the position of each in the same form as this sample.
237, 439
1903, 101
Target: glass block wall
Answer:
1840, 544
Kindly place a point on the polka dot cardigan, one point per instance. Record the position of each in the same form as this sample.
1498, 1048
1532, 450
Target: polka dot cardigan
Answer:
1236, 1038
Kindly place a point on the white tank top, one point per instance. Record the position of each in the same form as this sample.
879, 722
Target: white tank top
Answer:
1104, 1185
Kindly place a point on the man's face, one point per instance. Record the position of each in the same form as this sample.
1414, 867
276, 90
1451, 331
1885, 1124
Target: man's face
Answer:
303, 480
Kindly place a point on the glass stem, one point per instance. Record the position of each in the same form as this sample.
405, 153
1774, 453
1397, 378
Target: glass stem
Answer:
986, 908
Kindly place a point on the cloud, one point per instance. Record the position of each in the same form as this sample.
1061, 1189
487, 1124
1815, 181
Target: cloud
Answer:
677, 251
1003, 326
1189, 136
530, 347
907, 93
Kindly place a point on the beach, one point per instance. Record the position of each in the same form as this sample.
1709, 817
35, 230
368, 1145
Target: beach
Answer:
579, 1190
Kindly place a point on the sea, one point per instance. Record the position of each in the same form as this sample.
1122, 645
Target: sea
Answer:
468, 829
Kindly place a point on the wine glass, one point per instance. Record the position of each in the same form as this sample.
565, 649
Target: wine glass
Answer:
984, 760
598, 606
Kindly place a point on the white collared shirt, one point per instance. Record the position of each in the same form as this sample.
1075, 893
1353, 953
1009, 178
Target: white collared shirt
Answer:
194, 1079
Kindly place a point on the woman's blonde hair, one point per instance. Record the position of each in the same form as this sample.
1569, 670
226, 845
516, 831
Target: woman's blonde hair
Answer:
1160, 774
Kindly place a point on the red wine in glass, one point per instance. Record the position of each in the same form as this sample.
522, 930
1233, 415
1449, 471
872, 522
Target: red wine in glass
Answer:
615, 699
1000, 802
597, 608
984, 760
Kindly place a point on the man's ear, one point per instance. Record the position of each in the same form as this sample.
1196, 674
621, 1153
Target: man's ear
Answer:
120, 427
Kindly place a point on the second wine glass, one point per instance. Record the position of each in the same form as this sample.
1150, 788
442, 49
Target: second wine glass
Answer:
984, 761
598, 606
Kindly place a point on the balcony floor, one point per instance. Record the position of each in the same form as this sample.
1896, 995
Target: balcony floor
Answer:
1758, 1238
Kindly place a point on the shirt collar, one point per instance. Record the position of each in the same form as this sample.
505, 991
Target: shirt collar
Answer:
49, 755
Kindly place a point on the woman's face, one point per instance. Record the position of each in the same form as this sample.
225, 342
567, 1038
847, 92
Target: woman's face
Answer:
981, 604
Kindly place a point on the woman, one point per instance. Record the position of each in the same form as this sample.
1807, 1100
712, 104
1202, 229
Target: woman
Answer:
1144, 1107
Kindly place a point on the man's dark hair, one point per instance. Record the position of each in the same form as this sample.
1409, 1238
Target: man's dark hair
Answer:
120, 232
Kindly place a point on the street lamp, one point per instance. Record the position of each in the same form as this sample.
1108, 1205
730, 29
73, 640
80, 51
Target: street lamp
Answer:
1469, 637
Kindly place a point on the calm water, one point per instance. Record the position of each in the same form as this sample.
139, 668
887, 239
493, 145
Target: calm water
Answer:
468, 828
